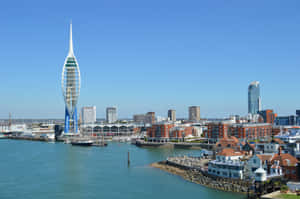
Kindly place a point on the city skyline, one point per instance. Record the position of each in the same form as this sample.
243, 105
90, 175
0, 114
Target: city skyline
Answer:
210, 57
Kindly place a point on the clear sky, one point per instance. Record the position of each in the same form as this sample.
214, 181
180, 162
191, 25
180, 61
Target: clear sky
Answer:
150, 55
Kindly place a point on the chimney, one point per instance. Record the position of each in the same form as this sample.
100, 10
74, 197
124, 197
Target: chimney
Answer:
279, 150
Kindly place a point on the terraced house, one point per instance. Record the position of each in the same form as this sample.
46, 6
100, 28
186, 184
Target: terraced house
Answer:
274, 165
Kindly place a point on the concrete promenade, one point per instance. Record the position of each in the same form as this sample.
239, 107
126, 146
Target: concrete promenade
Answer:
191, 145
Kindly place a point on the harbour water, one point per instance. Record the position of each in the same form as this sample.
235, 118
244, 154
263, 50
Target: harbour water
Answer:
40, 170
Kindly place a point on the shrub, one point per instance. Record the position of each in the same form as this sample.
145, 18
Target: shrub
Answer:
284, 189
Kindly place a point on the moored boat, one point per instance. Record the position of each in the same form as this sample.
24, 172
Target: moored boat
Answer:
82, 143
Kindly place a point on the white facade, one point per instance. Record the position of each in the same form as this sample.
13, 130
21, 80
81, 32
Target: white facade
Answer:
260, 175
88, 114
268, 147
291, 136
256, 164
227, 167
70, 81
111, 114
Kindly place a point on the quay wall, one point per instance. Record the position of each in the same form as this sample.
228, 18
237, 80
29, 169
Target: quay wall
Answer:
142, 143
201, 177
30, 138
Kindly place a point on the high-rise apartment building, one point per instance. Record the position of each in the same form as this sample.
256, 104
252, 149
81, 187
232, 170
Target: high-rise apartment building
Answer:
254, 101
172, 115
88, 115
139, 118
111, 114
298, 112
194, 113
150, 118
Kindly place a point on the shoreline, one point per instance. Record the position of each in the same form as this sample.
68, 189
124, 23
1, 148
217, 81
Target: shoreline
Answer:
198, 178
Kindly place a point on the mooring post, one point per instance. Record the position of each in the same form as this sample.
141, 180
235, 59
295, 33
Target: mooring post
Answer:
128, 159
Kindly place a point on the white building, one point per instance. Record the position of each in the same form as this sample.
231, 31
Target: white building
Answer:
88, 114
111, 114
263, 161
227, 164
267, 147
290, 136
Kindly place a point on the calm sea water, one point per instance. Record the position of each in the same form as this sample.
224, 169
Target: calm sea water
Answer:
40, 170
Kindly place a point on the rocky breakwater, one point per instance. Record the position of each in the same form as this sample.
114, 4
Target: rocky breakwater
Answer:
193, 170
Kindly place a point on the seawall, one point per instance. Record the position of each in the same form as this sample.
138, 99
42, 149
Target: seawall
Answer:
202, 178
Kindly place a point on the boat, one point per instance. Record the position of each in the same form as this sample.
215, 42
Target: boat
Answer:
82, 142
2, 136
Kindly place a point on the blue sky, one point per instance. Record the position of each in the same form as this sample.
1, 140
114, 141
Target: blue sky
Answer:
150, 55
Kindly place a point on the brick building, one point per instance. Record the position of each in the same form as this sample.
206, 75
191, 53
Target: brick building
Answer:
268, 115
180, 132
218, 130
159, 132
163, 132
228, 142
288, 164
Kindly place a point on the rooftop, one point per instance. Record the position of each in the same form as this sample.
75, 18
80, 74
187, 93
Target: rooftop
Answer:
230, 152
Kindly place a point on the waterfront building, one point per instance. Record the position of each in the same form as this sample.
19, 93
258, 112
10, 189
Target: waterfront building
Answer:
71, 88
111, 114
218, 130
288, 163
172, 115
258, 161
88, 114
194, 113
227, 164
159, 132
275, 164
114, 129
268, 115
167, 131
180, 132
254, 100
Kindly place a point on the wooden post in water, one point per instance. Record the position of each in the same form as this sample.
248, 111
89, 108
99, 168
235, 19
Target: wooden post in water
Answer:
128, 159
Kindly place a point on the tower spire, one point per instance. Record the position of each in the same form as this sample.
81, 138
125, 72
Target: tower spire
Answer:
71, 41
